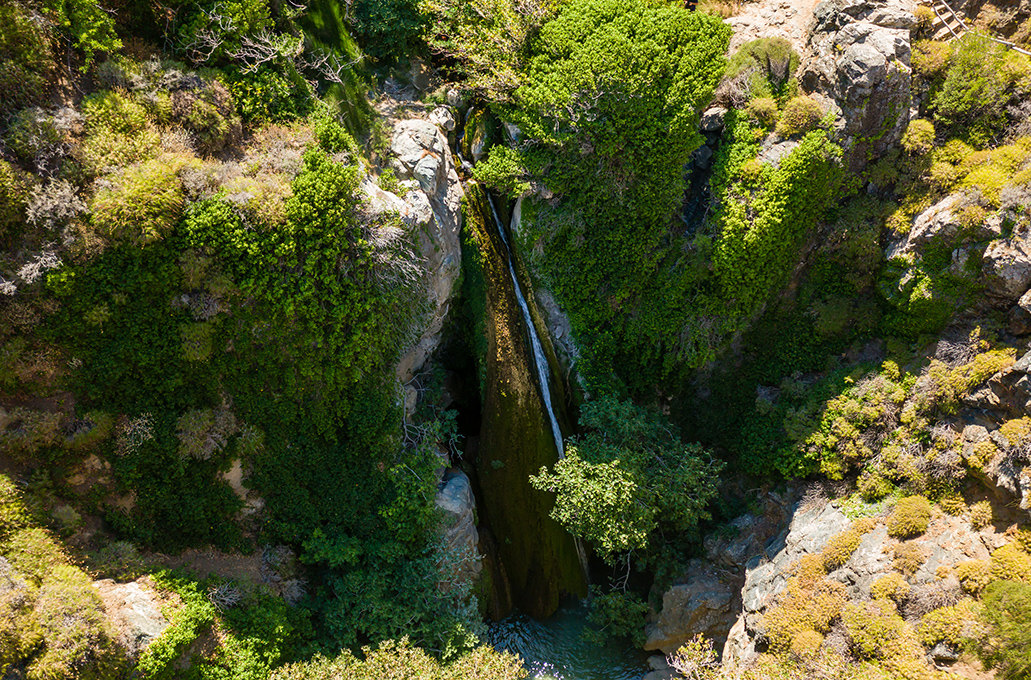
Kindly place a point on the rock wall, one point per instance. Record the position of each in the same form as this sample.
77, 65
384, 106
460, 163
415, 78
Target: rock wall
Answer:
432, 205
856, 63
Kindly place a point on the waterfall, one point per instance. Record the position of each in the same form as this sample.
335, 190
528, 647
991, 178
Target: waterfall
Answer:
539, 359
540, 362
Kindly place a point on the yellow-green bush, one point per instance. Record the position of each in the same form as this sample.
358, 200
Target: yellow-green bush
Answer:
111, 110
910, 517
806, 644
841, 546
974, 575
877, 631
1010, 563
890, 587
919, 136
949, 624
13, 514
26, 57
981, 514
34, 553
806, 605
763, 110
930, 58
143, 204
78, 639
800, 115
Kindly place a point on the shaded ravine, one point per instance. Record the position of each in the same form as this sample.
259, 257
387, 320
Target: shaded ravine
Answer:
540, 362
519, 435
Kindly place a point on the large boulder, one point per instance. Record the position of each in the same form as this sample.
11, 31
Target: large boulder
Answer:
1006, 265
857, 64
135, 610
462, 559
938, 223
702, 605
432, 208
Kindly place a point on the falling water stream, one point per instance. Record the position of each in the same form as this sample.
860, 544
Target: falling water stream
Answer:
539, 360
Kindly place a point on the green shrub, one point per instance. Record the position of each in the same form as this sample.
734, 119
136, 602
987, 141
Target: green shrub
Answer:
910, 517
26, 58
808, 604
1007, 611
264, 96
616, 614
925, 19
117, 133
763, 110
332, 137
92, 29
403, 661
387, 29
919, 136
504, 171
800, 115
972, 100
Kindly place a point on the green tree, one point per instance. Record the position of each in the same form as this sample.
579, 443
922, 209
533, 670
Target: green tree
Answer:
972, 101
387, 29
629, 476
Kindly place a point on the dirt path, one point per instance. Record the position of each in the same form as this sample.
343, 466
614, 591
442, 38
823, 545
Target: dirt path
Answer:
772, 18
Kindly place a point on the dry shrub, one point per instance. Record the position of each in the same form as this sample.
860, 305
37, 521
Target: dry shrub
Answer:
927, 597
203, 432
909, 557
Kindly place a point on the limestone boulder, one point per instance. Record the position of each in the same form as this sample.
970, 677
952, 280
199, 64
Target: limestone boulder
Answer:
936, 224
432, 208
462, 562
135, 610
702, 605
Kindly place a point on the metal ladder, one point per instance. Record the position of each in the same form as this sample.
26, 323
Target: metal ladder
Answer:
949, 25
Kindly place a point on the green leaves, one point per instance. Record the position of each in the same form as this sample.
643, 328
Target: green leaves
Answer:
600, 502
626, 477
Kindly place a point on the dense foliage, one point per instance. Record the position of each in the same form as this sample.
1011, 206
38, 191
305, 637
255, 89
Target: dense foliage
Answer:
629, 481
